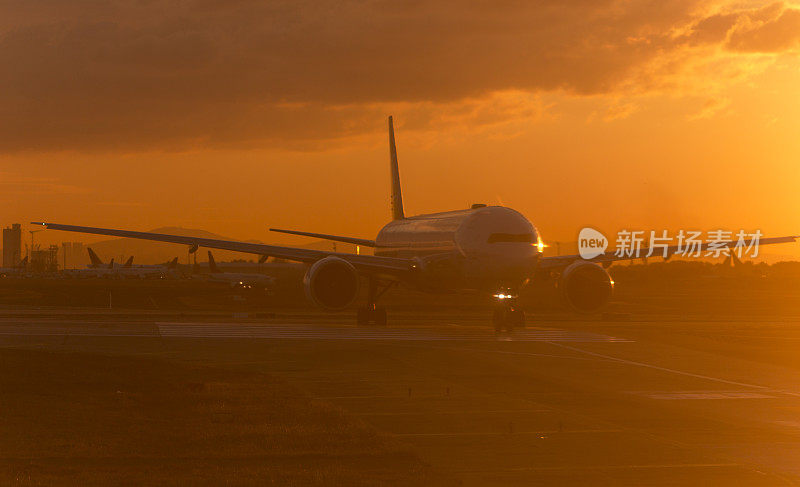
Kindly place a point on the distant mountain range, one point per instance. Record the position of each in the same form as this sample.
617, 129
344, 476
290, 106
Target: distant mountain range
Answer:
149, 252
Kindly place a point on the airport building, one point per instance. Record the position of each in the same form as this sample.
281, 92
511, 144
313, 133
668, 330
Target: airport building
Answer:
12, 245
44, 260
73, 255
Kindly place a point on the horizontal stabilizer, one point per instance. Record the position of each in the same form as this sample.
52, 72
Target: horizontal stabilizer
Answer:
355, 241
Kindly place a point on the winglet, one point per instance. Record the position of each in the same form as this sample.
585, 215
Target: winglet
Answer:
397, 195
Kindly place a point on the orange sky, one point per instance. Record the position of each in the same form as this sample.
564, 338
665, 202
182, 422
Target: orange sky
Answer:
236, 116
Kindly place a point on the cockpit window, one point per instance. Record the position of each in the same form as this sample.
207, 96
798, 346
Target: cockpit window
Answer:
510, 237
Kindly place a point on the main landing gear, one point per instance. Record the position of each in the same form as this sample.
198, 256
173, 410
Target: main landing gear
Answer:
372, 314
507, 315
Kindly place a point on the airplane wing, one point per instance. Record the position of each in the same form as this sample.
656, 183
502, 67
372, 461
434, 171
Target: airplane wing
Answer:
356, 241
367, 264
559, 261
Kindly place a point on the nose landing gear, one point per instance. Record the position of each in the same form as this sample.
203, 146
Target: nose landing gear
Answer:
507, 315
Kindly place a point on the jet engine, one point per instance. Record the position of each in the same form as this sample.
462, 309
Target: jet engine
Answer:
586, 287
331, 283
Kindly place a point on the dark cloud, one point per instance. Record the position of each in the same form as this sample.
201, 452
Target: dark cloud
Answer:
776, 34
129, 75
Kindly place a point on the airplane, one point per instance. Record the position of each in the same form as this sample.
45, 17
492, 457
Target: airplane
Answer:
489, 249
243, 279
143, 269
147, 271
97, 263
97, 268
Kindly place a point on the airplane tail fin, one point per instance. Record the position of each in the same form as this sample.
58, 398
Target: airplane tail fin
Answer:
129, 262
397, 194
212, 265
111, 264
173, 264
94, 258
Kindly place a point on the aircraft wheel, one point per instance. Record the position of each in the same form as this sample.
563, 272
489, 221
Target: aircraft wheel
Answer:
509, 320
499, 319
517, 317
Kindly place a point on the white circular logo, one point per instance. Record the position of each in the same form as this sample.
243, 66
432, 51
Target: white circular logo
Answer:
591, 243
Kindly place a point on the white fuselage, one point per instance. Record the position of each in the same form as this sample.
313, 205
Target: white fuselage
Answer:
479, 247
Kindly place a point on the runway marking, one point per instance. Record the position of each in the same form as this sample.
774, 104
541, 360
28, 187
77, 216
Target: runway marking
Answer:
509, 352
509, 433
394, 396
572, 468
314, 332
674, 371
80, 333
447, 413
680, 395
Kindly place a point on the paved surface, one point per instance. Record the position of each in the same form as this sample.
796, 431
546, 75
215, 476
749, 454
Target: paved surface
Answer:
312, 332
561, 403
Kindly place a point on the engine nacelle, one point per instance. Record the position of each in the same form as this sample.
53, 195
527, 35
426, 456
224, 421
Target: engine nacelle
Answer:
331, 283
586, 287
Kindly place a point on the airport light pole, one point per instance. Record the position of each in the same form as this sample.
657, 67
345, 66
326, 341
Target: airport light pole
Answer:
30, 251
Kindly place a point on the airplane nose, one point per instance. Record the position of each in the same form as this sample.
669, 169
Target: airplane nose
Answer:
506, 264
518, 260
499, 243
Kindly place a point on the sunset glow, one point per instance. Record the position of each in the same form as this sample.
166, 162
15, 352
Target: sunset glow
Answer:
672, 114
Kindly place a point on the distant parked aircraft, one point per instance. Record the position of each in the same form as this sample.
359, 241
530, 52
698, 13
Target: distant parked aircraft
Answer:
97, 268
97, 263
242, 279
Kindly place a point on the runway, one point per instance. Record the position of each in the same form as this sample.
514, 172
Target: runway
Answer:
559, 403
297, 331
312, 332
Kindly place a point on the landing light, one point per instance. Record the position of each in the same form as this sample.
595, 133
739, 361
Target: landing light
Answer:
502, 296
